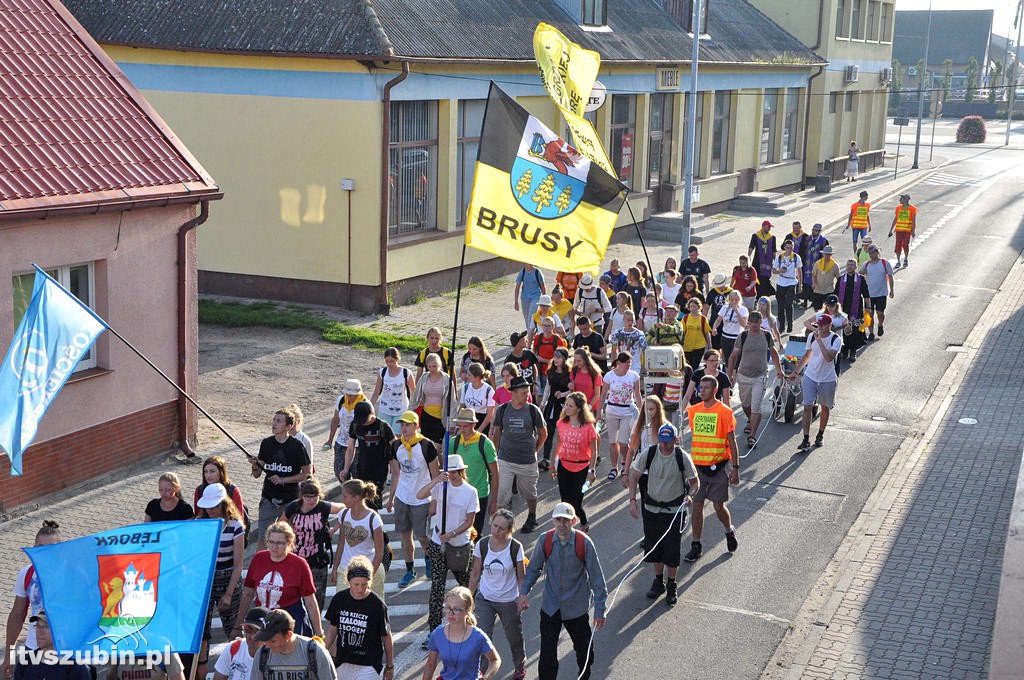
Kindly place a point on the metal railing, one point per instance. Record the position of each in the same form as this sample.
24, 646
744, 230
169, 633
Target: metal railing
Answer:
867, 160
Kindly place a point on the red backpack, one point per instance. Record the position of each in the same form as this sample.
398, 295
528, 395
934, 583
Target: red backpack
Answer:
581, 544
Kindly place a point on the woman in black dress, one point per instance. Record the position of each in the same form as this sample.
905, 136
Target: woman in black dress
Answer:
558, 390
171, 504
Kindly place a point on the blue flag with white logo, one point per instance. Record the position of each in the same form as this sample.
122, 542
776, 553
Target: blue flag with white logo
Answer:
55, 333
140, 588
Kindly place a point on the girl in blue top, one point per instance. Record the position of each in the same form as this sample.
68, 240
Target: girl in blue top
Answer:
459, 644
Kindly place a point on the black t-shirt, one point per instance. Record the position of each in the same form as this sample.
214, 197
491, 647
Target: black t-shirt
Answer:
683, 298
157, 514
362, 625
311, 531
284, 460
45, 671
595, 343
715, 301
723, 384
373, 450
527, 364
698, 269
421, 358
636, 296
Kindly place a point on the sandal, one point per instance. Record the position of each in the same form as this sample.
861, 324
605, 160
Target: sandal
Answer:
613, 473
746, 429
751, 442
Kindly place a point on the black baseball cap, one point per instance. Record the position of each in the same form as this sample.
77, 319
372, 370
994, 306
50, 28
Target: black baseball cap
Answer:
361, 413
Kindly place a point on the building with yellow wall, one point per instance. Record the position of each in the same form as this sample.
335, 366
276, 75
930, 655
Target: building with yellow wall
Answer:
344, 134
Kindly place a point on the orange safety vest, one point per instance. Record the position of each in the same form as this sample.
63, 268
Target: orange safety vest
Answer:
905, 217
711, 428
859, 215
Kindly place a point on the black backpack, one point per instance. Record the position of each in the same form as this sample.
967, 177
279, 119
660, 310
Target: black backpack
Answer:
642, 484
515, 551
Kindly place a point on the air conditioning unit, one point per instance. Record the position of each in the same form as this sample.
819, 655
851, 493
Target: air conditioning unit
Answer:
852, 73
885, 76
912, 71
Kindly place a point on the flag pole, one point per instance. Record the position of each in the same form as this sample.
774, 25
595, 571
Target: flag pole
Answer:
640, 236
446, 407
182, 392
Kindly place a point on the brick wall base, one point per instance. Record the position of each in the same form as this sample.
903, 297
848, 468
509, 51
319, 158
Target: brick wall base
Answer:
60, 463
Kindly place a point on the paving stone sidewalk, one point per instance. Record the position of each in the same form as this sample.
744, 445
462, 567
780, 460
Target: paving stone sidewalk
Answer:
921, 601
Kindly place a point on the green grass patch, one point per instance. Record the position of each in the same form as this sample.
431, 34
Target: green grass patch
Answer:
239, 315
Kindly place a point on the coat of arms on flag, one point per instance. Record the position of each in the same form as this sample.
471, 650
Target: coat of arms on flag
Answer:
535, 198
128, 591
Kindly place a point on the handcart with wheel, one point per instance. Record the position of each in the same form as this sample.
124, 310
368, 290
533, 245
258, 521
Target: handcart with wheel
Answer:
785, 393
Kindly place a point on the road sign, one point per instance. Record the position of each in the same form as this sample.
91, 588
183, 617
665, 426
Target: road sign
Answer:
901, 121
597, 97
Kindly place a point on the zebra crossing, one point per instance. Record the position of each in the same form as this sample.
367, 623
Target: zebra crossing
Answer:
407, 607
946, 179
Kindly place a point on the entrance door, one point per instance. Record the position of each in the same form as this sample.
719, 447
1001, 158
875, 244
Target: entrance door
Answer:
660, 152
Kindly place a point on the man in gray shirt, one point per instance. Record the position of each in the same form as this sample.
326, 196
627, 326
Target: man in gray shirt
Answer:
286, 655
518, 433
748, 365
573, 574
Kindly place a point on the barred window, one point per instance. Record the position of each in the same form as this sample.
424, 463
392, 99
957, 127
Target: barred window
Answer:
412, 172
470, 124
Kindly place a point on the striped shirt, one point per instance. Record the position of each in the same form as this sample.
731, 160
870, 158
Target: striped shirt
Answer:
226, 549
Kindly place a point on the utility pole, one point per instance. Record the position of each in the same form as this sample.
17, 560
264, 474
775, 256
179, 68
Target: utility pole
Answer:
691, 115
1011, 94
921, 90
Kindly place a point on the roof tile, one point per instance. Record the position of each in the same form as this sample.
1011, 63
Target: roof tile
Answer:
71, 128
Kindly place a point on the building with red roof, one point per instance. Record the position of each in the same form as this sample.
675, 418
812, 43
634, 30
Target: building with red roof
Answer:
96, 189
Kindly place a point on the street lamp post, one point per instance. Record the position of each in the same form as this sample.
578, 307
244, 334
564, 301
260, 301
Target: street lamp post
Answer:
921, 90
691, 114
1011, 94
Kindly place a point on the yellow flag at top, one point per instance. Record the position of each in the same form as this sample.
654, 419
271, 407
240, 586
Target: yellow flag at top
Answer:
568, 72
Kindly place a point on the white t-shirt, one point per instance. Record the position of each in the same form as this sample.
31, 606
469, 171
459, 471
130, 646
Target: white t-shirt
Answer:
34, 594
620, 392
235, 661
462, 500
790, 267
731, 320
356, 536
306, 442
669, 293
616, 321
818, 368
875, 273
394, 396
415, 473
478, 398
498, 578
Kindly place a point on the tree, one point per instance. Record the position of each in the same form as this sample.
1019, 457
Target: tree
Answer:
947, 78
895, 86
564, 199
524, 183
995, 80
544, 193
971, 82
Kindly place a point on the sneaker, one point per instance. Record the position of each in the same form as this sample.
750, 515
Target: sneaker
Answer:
671, 597
906, 262
530, 525
820, 439
695, 552
520, 673
805, 443
730, 541
543, 464
613, 473
881, 330
871, 337
657, 588
409, 577
430, 572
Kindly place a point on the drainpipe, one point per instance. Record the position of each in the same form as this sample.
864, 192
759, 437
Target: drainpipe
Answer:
385, 203
204, 213
821, 69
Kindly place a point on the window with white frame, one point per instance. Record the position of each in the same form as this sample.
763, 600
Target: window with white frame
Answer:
872, 32
769, 115
789, 125
623, 130
594, 12
470, 123
78, 279
855, 17
840, 18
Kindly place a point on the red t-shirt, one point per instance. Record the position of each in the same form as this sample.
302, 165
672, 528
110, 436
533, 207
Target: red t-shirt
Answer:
590, 387
574, 445
545, 348
279, 584
745, 283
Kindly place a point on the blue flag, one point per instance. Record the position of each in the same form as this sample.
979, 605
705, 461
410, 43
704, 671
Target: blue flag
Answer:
140, 588
55, 333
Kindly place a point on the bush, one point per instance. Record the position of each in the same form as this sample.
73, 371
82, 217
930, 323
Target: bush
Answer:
971, 130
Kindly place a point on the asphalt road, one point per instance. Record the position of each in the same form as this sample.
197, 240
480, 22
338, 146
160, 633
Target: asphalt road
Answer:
793, 510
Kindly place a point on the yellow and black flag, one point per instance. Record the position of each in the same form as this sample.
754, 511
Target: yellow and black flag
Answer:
535, 198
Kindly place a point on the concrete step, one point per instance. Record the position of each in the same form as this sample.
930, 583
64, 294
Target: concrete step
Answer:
766, 203
669, 226
762, 196
712, 231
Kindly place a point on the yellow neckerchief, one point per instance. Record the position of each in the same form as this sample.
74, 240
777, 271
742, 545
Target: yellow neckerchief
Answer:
408, 444
469, 440
763, 236
350, 401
